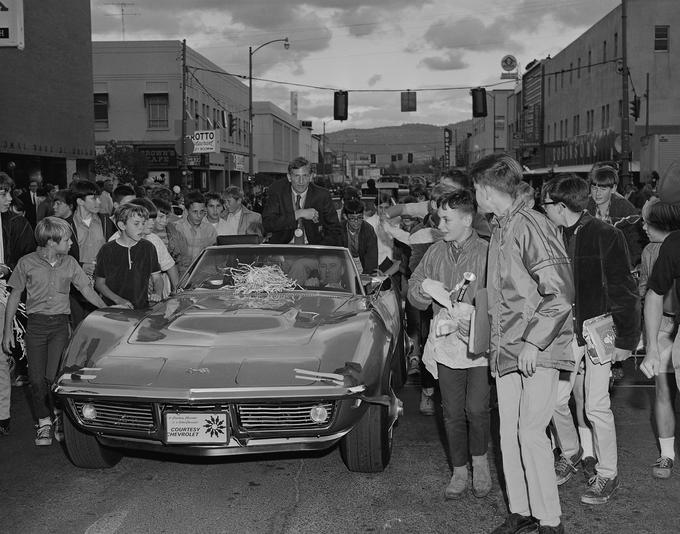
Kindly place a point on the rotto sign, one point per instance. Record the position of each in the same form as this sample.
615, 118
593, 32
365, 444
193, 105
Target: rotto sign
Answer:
205, 141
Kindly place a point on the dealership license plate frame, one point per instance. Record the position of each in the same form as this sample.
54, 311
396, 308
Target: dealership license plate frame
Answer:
197, 428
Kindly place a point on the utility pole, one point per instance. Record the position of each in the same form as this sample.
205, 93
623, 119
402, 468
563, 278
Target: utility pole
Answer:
123, 14
647, 107
182, 141
626, 155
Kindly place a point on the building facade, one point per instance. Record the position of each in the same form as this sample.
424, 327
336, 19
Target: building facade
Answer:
582, 85
138, 102
489, 134
46, 122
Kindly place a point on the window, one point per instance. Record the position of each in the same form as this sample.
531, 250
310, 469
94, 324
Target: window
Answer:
548, 136
661, 39
575, 126
620, 108
616, 45
556, 74
590, 58
101, 111
549, 80
156, 110
578, 68
566, 128
561, 129
571, 72
604, 51
602, 124
606, 113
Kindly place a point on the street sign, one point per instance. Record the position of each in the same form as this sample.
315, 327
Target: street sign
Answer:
239, 162
508, 63
205, 141
12, 23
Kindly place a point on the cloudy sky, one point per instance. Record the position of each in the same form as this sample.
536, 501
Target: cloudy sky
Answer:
367, 47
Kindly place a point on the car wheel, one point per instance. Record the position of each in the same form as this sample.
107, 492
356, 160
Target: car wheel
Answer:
368, 447
85, 451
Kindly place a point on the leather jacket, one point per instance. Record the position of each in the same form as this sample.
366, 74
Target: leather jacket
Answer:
531, 290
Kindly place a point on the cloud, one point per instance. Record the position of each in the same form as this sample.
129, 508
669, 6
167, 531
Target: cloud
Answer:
374, 79
451, 61
471, 34
530, 13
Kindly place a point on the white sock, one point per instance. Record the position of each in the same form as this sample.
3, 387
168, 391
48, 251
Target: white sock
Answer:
586, 436
667, 447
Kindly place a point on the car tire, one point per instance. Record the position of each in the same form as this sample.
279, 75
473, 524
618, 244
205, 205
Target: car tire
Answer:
368, 446
85, 451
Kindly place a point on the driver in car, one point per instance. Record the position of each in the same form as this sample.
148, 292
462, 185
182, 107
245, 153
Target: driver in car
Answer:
331, 273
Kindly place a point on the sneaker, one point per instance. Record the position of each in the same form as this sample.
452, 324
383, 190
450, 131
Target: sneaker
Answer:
58, 427
20, 381
458, 483
43, 435
545, 529
662, 468
565, 468
588, 465
517, 524
413, 364
481, 477
4, 427
426, 403
600, 490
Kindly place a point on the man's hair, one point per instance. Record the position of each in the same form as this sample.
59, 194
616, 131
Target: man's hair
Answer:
498, 171
46, 189
460, 199
52, 228
83, 188
353, 206
6, 183
439, 190
604, 176
298, 163
122, 191
163, 193
349, 193
146, 203
214, 196
526, 192
162, 205
570, 190
193, 197
65, 196
233, 192
418, 190
459, 178
370, 183
663, 216
125, 211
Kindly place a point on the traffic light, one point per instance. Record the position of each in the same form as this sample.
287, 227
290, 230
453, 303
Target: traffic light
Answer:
410, 157
340, 106
635, 107
373, 158
232, 125
478, 102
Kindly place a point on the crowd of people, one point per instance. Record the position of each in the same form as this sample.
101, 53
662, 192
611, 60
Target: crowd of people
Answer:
499, 294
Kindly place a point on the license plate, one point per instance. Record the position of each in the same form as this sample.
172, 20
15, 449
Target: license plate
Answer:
204, 428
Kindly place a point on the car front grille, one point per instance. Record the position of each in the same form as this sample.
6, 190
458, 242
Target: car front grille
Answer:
282, 415
138, 417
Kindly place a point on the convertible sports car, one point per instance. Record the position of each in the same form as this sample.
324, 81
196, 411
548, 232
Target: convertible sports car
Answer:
263, 348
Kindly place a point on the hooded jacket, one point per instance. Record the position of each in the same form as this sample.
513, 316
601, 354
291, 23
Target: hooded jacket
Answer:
531, 290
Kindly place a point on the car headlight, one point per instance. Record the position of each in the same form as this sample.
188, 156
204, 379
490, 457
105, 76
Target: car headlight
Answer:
318, 414
89, 412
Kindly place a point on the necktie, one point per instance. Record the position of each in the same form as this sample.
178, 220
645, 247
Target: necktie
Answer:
299, 238
297, 201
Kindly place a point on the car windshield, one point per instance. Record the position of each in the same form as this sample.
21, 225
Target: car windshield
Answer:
274, 266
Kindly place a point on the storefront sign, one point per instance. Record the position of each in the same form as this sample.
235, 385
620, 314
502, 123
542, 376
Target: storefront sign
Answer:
158, 157
205, 141
238, 162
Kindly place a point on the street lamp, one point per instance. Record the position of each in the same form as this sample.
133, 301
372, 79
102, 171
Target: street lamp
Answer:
251, 51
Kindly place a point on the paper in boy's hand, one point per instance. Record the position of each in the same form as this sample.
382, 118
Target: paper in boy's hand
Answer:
444, 325
438, 292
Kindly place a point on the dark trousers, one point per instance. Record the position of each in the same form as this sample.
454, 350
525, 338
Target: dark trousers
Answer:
46, 338
465, 404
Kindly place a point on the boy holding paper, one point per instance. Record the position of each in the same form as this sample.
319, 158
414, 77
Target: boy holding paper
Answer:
463, 377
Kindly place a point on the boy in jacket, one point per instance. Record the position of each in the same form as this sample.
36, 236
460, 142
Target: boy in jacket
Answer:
530, 288
603, 284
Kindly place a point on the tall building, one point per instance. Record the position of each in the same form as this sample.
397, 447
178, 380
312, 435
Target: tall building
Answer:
46, 122
582, 85
138, 102
489, 134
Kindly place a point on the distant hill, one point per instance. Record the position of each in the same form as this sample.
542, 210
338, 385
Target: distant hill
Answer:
422, 140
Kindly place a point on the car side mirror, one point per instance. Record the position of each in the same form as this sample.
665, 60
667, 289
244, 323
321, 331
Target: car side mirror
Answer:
374, 283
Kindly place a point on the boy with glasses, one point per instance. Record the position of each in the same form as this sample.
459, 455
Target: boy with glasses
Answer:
359, 237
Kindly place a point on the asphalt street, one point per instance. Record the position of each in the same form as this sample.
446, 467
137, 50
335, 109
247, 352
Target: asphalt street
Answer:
41, 492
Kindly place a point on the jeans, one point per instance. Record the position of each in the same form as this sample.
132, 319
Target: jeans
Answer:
5, 382
46, 339
465, 403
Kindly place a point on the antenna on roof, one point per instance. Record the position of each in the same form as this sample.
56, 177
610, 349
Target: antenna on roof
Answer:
123, 13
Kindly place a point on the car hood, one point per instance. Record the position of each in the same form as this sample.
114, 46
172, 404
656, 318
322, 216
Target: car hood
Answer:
224, 319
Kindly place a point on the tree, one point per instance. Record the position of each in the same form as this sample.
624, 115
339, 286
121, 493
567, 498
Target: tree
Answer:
121, 161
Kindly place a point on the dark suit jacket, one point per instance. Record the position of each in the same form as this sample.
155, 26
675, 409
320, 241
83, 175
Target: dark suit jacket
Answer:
368, 246
31, 209
278, 216
602, 280
17, 237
